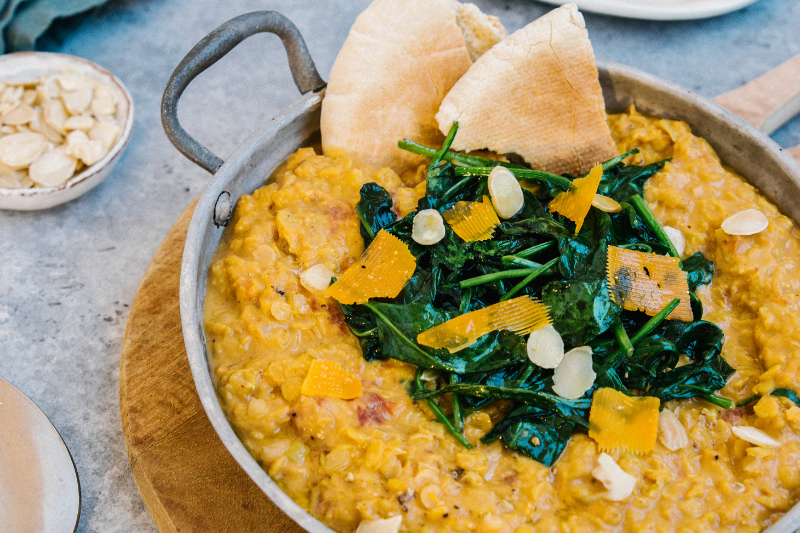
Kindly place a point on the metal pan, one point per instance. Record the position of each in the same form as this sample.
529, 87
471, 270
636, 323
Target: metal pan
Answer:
738, 144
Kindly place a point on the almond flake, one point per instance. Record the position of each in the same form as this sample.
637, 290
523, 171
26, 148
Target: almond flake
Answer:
55, 114
671, 432
52, 168
386, 525
18, 150
618, 483
90, 152
105, 132
606, 204
317, 278
755, 436
72, 81
506, 192
80, 122
76, 102
545, 347
428, 227
574, 375
22, 114
676, 238
104, 101
747, 222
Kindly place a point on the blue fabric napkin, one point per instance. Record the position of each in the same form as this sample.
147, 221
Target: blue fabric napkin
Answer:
22, 22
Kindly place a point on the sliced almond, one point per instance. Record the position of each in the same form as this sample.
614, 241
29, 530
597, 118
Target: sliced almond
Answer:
428, 227
104, 101
79, 122
386, 525
10, 178
12, 95
22, 114
317, 278
604, 203
671, 432
747, 222
52, 168
48, 88
506, 192
755, 436
574, 375
78, 101
38, 124
105, 132
676, 238
73, 81
618, 483
90, 152
18, 150
55, 115
430, 374
545, 347
29, 96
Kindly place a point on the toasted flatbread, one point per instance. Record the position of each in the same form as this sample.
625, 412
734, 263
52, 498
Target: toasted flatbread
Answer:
399, 60
535, 94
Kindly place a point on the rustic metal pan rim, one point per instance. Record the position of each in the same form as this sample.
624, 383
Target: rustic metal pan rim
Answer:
620, 83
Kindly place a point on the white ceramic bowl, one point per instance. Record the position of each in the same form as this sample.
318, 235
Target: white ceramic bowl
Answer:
29, 66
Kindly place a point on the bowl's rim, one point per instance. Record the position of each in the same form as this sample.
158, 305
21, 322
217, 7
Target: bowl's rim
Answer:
191, 292
92, 171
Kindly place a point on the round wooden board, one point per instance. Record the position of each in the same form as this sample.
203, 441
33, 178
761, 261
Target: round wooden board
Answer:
188, 480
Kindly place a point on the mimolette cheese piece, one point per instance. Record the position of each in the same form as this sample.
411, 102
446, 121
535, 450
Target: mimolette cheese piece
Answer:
381, 272
328, 378
619, 421
399, 60
472, 221
521, 315
575, 204
640, 281
535, 94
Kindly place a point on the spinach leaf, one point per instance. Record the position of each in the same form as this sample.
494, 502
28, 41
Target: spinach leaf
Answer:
399, 325
651, 356
572, 410
581, 310
786, 393
699, 270
374, 209
623, 181
527, 430
583, 256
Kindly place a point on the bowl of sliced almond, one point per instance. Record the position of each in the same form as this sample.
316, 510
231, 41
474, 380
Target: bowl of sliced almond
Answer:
64, 123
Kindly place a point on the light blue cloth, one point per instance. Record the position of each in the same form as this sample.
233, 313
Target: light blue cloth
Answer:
22, 22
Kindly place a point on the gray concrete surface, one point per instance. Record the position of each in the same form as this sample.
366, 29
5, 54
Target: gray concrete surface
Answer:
68, 275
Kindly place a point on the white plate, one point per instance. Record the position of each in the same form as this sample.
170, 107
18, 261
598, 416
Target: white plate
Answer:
659, 9
40, 490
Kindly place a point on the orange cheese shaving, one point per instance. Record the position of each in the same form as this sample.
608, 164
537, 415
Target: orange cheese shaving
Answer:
640, 281
328, 378
620, 421
381, 272
575, 204
521, 315
472, 221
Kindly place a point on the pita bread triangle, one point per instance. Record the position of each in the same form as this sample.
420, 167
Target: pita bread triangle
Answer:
399, 60
535, 94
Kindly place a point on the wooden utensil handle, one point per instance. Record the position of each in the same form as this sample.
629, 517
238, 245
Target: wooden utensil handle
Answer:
769, 101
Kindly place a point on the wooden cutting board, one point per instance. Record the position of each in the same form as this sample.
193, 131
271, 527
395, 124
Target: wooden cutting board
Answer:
188, 480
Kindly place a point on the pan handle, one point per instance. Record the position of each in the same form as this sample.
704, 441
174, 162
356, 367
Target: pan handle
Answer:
211, 49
